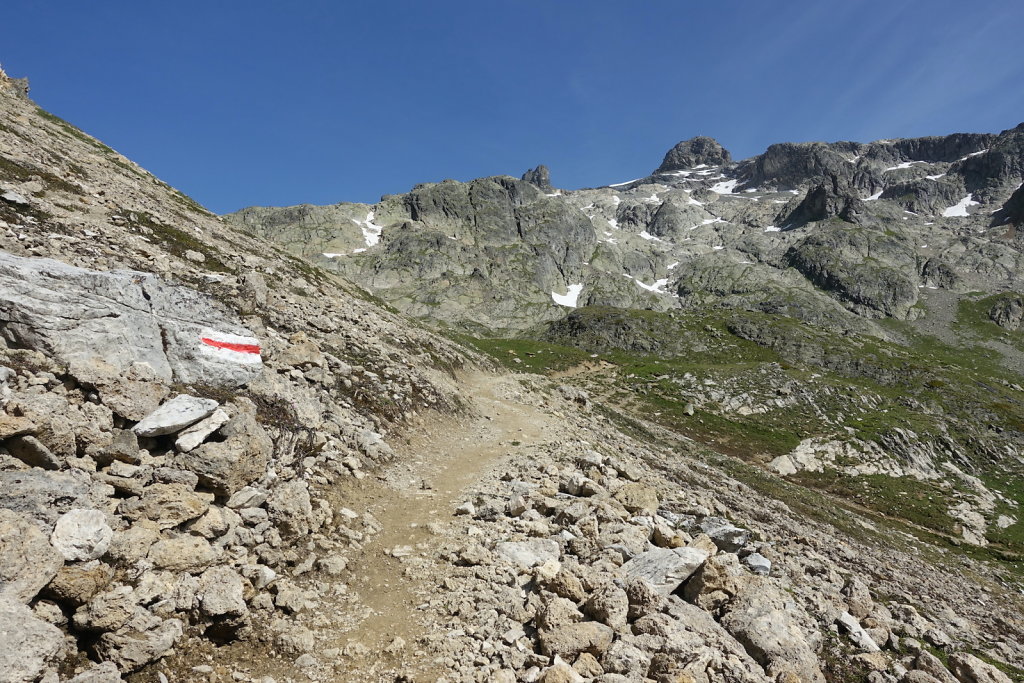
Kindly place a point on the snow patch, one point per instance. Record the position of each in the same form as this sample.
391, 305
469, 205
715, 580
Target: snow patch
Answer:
569, 298
973, 154
625, 183
725, 187
959, 210
905, 164
648, 236
875, 197
935, 177
371, 231
772, 228
657, 287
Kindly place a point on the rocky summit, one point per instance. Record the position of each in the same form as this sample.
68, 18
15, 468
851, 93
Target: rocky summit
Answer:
735, 421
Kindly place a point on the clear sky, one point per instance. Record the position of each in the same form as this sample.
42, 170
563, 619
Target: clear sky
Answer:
284, 102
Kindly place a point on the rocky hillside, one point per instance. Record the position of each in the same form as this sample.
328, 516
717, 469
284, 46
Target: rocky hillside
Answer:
221, 462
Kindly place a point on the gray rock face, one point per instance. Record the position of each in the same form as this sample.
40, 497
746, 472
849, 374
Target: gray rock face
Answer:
837, 261
788, 165
174, 415
79, 316
758, 564
969, 669
857, 634
1012, 212
30, 645
694, 152
827, 200
81, 535
31, 451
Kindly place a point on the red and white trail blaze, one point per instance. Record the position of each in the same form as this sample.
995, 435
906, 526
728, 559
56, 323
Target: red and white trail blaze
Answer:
230, 347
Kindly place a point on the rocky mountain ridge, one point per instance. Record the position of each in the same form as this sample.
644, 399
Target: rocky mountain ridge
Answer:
222, 462
840, 227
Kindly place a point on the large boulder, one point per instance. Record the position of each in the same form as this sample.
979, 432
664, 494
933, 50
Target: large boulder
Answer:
81, 535
1008, 311
765, 621
77, 316
168, 505
569, 640
527, 554
27, 560
221, 592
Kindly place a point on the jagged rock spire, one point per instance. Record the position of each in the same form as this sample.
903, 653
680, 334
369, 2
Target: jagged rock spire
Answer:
539, 176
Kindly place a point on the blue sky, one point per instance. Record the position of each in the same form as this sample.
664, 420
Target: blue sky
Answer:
277, 103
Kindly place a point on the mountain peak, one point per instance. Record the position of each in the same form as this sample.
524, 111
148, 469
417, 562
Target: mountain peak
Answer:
694, 152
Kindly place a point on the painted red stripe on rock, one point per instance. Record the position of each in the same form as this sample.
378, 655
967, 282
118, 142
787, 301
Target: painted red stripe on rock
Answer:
231, 346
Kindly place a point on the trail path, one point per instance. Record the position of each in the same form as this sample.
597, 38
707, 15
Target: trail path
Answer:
431, 477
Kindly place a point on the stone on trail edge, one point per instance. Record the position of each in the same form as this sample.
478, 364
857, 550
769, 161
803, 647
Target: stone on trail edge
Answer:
174, 415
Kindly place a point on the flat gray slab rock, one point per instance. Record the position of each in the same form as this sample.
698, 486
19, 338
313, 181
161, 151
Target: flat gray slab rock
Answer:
193, 436
176, 414
527, 554
79, 316
665, 568
858, 636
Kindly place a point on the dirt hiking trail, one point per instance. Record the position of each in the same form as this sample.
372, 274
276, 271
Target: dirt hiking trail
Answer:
430, 478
